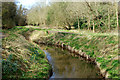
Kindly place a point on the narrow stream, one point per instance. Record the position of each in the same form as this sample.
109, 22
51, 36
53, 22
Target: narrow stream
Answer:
66, 66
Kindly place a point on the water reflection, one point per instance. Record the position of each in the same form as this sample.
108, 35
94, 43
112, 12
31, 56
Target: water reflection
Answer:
66, 66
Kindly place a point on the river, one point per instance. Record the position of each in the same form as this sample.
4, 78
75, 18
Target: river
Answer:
65, 65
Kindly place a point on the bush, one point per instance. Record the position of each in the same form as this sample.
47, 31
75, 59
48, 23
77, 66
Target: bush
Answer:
8, 24
10, 66
83, 26
8, 15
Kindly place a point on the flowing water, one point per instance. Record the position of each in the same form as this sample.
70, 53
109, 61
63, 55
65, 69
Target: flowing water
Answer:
67, 66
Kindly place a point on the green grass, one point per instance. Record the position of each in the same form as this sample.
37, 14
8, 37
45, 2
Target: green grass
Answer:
100, 46
21, 58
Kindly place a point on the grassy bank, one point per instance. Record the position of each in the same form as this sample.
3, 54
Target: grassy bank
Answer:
28, 61
21, 58
104, 48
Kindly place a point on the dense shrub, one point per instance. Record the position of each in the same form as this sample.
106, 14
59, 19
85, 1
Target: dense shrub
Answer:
8, 15
8, 24
10, 66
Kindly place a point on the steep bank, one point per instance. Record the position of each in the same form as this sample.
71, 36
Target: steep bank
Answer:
21, 58
100, 49
103, 50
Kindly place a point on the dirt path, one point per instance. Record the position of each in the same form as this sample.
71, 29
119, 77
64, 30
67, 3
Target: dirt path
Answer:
85, 32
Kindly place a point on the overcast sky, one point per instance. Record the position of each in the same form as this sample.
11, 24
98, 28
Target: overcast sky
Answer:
29, 3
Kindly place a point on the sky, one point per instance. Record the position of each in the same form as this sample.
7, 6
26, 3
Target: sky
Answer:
29, 3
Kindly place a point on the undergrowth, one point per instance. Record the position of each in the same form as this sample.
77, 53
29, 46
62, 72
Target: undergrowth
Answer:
22, 59
103, 48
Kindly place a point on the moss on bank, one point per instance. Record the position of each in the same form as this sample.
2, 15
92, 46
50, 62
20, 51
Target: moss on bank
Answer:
22, 59
103, 48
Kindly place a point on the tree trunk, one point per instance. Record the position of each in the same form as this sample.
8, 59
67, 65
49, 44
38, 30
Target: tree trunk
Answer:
89, 24
108, 20
117, 15
44, 22
89, 19
96, 10
78, 23
69, 26
93, 26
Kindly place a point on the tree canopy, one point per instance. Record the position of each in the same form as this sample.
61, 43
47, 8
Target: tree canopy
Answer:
96, 16
13, 15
